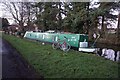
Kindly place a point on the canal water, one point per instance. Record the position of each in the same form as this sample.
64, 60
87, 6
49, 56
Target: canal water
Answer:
108, 46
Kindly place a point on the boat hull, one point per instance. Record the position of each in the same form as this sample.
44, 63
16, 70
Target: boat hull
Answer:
87, 49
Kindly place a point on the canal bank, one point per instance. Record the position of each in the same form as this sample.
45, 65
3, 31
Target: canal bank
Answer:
58, 64
105, 45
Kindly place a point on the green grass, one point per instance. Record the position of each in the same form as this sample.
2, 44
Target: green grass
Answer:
58, 64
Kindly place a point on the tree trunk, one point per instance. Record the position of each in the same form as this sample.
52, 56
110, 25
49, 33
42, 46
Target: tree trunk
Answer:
45, 25
118, 26
102, 27
21, 25
87, 22
118, 30
60, 18
28, 22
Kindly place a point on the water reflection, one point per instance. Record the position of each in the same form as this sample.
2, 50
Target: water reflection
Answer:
111, 52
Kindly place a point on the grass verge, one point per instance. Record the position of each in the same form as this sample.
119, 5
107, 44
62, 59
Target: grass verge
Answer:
57, 64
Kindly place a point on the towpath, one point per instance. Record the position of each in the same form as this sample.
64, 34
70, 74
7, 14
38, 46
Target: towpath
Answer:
13, 64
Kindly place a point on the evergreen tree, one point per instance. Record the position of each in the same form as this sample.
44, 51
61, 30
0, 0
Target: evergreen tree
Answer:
105, 12
5, 23
78, 17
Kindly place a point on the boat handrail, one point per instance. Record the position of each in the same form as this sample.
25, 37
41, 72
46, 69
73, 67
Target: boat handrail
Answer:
96, 40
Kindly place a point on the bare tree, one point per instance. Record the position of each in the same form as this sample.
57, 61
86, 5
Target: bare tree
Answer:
30, 12
16, 10
21, 12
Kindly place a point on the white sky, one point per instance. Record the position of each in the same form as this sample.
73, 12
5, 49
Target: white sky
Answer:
5, 14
